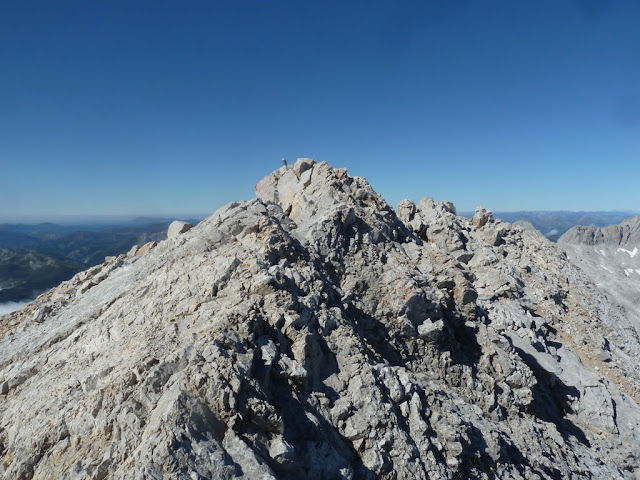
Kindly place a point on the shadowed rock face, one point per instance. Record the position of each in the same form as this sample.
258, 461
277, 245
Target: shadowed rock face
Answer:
609, 256
315, 333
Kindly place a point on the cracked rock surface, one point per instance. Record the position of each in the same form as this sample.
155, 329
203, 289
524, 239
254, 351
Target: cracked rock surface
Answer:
313, 332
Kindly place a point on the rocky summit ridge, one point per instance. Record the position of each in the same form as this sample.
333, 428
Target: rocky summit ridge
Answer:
314, 332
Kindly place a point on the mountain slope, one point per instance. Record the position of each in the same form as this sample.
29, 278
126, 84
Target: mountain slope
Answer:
609, 256
315, 333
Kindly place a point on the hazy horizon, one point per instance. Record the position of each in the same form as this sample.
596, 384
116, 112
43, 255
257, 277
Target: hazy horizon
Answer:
72, 220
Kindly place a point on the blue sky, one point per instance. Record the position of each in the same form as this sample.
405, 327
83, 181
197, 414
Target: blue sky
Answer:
165, 107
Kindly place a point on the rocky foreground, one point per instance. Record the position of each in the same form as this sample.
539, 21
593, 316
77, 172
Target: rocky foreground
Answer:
313, 332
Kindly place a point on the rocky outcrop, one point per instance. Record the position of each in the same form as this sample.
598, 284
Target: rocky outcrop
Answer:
528, 226
146, 248
481, 217
314, 333
628, 232
178, 227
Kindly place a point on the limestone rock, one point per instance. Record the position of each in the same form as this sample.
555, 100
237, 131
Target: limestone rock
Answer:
628, 232
406, 210
146, 248
481, 217
528, 226
609, 256
314, 333
178, 227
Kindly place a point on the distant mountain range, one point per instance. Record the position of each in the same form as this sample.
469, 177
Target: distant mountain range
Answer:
34, 258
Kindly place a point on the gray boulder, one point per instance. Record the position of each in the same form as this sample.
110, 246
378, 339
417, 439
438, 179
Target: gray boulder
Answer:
178, 227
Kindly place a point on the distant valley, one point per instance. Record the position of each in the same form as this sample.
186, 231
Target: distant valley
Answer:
23, 273
35, 258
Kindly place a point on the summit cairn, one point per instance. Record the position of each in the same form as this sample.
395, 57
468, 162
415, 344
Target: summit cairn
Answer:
312, 332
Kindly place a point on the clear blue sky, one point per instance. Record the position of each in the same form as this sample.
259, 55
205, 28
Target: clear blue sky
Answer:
149, 107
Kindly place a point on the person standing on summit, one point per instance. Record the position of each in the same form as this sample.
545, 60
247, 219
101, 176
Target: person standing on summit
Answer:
284, 161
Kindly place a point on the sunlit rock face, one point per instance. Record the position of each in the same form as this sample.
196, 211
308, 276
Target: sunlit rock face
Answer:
314, 333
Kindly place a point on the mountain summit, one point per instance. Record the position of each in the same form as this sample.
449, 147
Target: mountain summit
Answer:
313, 332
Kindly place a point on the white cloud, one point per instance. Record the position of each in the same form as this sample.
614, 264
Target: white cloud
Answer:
11, 307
